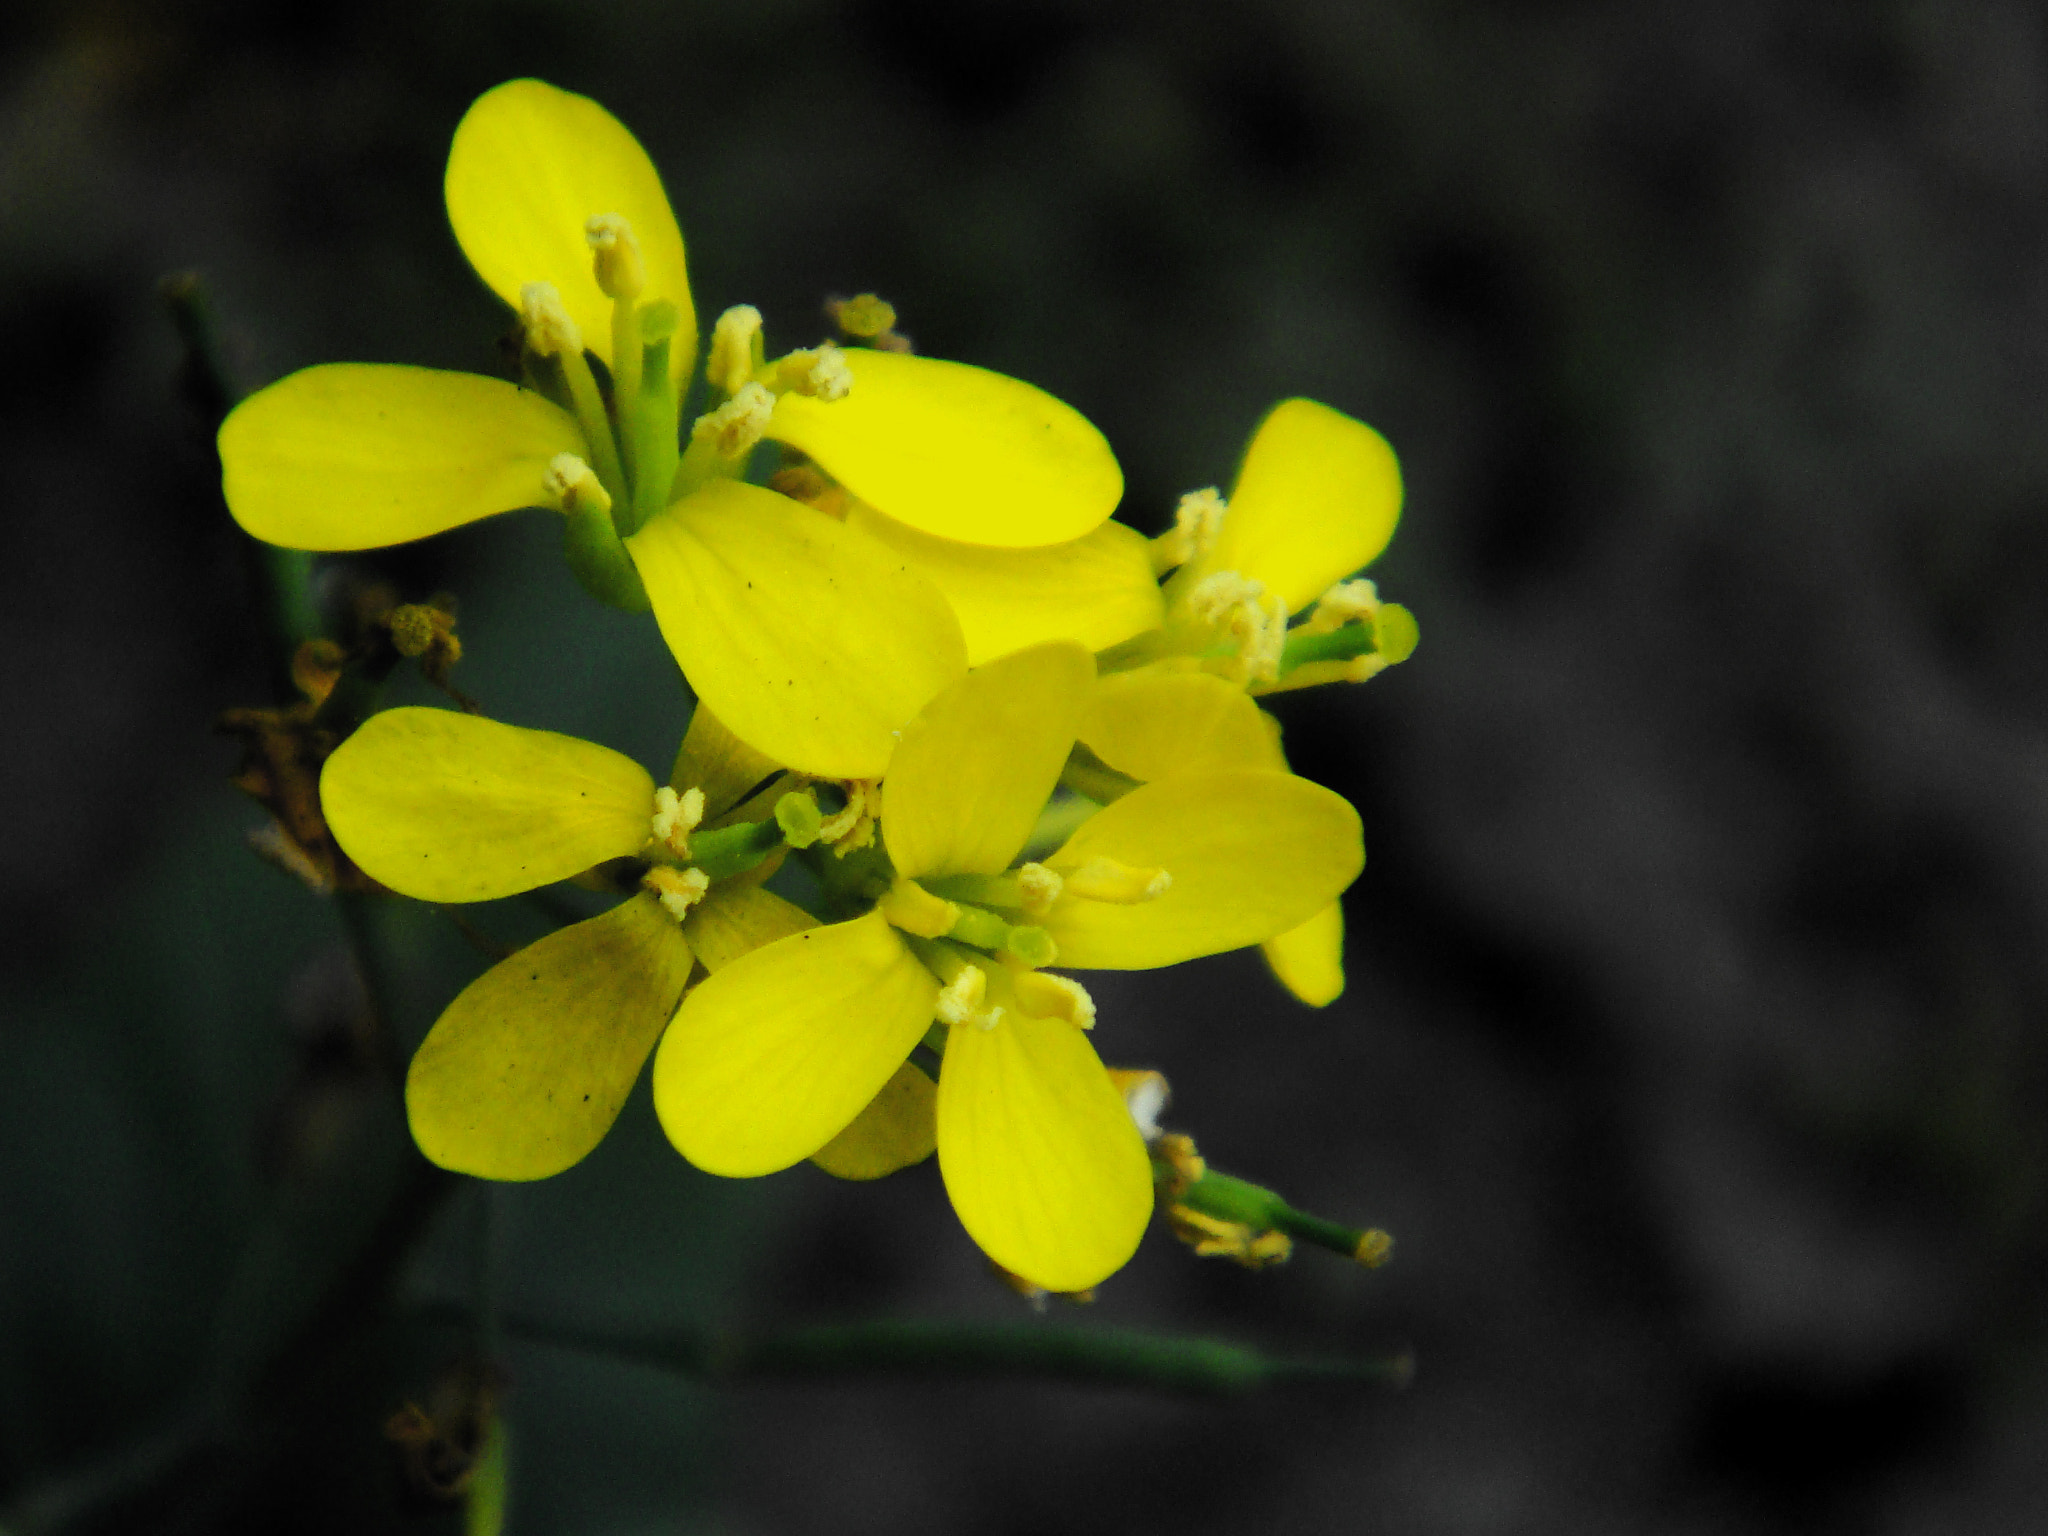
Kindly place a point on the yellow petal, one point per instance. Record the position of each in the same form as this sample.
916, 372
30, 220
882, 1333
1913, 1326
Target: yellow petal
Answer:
361, 455
812, 643
1309, 960
736, 919
450, 807
1041, 1160
1155, 724
530, 165
1251, 855
528, 1068
1097, 590
773, 1056
976, 767
896, 1130
957, 451
719, 763
1316, 499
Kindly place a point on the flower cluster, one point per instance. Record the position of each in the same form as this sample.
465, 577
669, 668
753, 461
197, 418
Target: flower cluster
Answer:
956, 732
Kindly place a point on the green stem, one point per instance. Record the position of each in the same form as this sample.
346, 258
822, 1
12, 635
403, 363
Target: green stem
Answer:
1096, 1356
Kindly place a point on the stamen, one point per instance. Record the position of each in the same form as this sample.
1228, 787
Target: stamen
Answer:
1112, 880
616, 256
1346, 601
864, 315
1253, 618
1057, 997
960, 1000
914, 909
678, 889
1196, 522
735, 349
572, 484
676, 817
797, 814
1041, 888
736, 426
820, 371
549, 330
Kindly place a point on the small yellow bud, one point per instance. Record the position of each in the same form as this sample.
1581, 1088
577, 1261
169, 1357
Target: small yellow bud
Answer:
1054, 997
1111, 880
1041, 888
676, 817
678, 889
736, 426
735, 349
549, 330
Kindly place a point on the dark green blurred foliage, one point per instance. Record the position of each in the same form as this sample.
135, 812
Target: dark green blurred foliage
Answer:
1693, 1051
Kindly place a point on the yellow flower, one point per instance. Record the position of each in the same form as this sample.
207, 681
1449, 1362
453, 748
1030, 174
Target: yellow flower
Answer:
527, 1069
809, 638
772, 1058
1316, 499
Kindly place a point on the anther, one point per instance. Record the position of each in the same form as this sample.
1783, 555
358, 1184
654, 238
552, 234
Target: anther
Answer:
1056, 997
1041, 888
1112, 880
820, 371
616, 256
960, 1000
677, 889
574, 486
914, 909
735, 349
1196, 522
549, 330
1253, 617
864, 315
676, 817
736, 426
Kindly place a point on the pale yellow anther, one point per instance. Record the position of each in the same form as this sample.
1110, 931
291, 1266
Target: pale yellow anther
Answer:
1047, 996
1343, 603
1111, 880
574, 486
676, 817
1196, 522
677, 889
960, 1000
735, 349
820, 371
616, 256
736, 426
1250, 615
549, 330
1041, 887
852, 826
914, 909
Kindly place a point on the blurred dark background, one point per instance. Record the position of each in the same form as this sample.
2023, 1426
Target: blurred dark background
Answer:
1693, 1050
